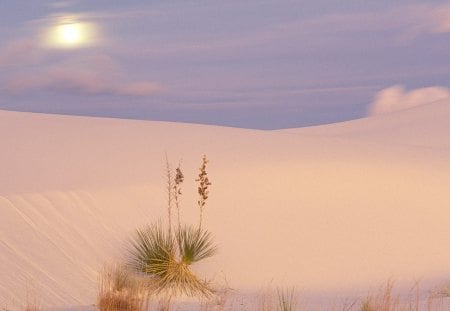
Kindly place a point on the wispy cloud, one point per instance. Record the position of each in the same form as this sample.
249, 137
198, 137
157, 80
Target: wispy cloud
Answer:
83, 81
86, 72
19, 52
397, 25
396, 98
439, 19
142, 88
61, 4
405, 23
93, 73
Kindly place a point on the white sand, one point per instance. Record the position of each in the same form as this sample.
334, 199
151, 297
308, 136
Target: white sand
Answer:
328, 207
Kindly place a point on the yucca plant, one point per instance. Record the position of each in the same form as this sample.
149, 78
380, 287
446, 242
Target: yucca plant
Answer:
166, 255
167, 260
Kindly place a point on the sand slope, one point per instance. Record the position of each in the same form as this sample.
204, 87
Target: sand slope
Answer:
322, 208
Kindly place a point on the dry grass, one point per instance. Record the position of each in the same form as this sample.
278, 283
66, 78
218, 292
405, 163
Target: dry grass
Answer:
216, 302
266, 299
282, 299
287, 298
386, 299
121, 291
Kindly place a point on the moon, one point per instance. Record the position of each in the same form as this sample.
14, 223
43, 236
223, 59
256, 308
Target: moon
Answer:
71, 35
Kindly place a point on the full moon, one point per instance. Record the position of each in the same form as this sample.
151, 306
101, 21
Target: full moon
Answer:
71, 35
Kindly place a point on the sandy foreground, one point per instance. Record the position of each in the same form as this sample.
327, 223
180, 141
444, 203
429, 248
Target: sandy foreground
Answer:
328, 208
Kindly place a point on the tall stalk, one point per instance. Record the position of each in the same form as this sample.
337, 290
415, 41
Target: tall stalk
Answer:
179, 178
169, 194
202, 189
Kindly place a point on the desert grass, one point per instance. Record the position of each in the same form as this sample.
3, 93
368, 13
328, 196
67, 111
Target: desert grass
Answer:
121, 291
219, 300
287, 298
280, 299
266, 299
383, 300
386, 298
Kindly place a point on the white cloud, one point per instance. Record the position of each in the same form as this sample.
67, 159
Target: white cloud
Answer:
397, 98
92, 73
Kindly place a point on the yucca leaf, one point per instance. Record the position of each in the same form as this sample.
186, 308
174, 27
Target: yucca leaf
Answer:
194, 244
152, 250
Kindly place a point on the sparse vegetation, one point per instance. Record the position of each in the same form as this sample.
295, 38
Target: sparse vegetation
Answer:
165, 255
121, 291
287, 299
161, 257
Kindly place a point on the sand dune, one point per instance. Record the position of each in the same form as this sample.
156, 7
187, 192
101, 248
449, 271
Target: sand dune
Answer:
325, 208
424, 125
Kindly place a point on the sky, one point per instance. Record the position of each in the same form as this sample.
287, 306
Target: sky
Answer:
265, 64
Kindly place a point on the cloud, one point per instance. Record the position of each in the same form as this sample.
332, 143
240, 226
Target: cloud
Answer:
92, 74
396, 25
396, 98
61, 4
78, 81
440, 19
19, 52
405, 23
143, 88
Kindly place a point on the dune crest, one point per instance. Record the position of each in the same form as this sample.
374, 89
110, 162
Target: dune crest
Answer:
322, 208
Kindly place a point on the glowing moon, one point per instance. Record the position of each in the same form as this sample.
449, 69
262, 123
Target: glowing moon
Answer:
71, 35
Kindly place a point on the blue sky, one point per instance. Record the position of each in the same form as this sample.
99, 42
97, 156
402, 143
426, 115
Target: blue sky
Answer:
256, 64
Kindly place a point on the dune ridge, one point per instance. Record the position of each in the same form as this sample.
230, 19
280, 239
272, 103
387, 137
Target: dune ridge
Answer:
322, 208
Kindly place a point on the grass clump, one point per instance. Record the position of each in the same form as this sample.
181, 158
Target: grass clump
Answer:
287, 299
121, 291
165, 255
280, 299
